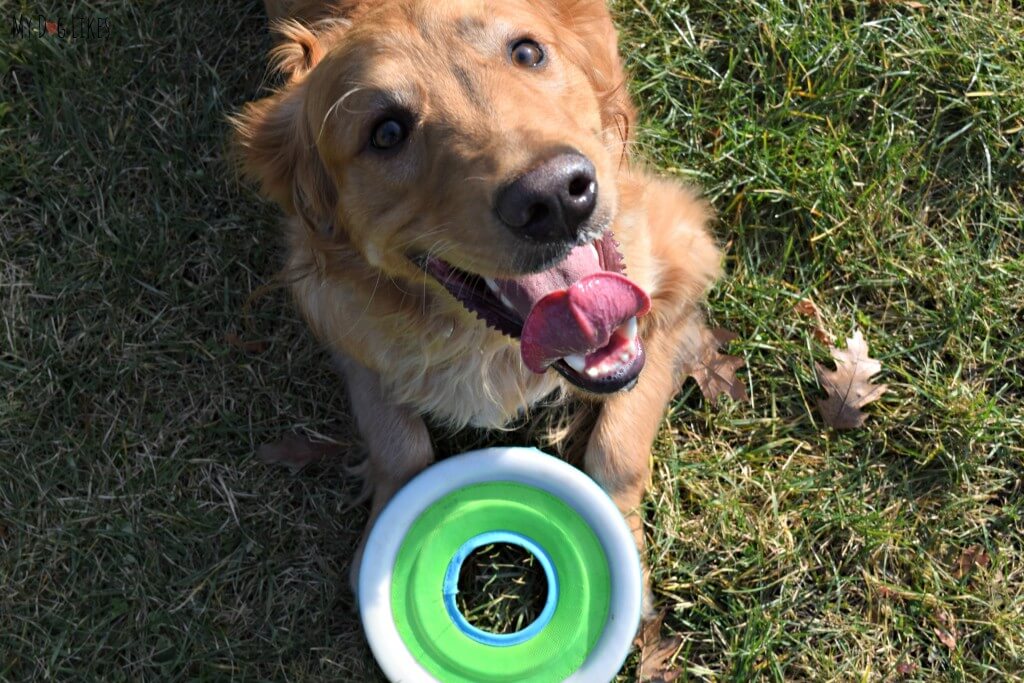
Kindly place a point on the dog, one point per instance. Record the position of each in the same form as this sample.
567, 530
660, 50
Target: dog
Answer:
467, 230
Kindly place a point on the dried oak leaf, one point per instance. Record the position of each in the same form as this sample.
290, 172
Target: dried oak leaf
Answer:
656, 653
809, 309
946, 630
295, 452
714, 371
906, 668
251, 346
849, 386
912, 4
971, 557
945, 637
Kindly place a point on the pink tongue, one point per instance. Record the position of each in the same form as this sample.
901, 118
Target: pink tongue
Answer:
572, 308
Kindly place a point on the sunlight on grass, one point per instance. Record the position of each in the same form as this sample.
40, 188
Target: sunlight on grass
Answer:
868, 155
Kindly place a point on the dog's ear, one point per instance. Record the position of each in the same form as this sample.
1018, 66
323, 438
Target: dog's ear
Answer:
592, 43
273, 140
298, 50
311, 11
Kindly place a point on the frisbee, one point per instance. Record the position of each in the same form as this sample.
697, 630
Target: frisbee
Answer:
408, 579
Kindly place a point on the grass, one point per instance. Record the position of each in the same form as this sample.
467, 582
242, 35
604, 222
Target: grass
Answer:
502, 588
869, 155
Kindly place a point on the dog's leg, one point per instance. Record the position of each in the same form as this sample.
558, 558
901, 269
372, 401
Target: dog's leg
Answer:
396, 438
619, 448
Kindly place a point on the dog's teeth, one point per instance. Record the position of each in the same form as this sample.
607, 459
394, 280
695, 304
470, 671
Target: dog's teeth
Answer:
594, 250
593, 372
624, 356
577, 362
631, 328
505, 301
492, 285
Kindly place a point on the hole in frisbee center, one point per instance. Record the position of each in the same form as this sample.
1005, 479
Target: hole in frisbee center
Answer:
502, 588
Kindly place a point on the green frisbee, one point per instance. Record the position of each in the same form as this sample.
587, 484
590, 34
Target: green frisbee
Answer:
408, 579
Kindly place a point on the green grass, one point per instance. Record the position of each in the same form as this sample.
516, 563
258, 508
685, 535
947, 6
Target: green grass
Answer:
502, 588
869, 155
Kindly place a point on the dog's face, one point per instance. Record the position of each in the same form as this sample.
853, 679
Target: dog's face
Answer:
476, 141
426, 121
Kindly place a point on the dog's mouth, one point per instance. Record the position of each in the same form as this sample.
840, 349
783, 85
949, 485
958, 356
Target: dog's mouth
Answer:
579, 316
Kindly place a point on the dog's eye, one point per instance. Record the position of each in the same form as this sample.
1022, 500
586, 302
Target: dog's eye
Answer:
527, 53
388, 134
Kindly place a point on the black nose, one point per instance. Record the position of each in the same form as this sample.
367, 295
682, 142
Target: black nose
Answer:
550, 202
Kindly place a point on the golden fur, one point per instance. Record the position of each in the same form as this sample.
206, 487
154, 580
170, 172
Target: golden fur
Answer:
406, 347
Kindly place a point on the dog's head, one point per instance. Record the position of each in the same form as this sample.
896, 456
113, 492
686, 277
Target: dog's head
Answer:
477, 141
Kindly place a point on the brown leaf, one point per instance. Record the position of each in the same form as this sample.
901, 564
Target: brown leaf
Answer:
906, 668
252, 346
655, 653
809, 309
945, 637
295, 452
912, 4
887, 593
946, 630
714, 371
849, 386
974, 556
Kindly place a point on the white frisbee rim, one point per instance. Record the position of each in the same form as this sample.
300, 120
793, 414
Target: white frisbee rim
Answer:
521, 465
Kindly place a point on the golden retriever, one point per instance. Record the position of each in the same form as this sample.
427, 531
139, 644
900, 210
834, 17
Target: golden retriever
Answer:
466, 230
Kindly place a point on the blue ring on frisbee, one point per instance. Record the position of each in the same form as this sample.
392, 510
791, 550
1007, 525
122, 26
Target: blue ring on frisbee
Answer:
450, 588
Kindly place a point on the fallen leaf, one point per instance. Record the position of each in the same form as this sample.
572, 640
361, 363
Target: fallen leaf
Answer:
974, 556
655, 653
236, 342
906, 668
887, 593
945, 637
946, 630
912, 4
714, 371
295, 452
849, 386
809, 309
51, 27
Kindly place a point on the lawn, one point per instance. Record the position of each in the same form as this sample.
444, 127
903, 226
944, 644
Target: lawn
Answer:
866, 155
